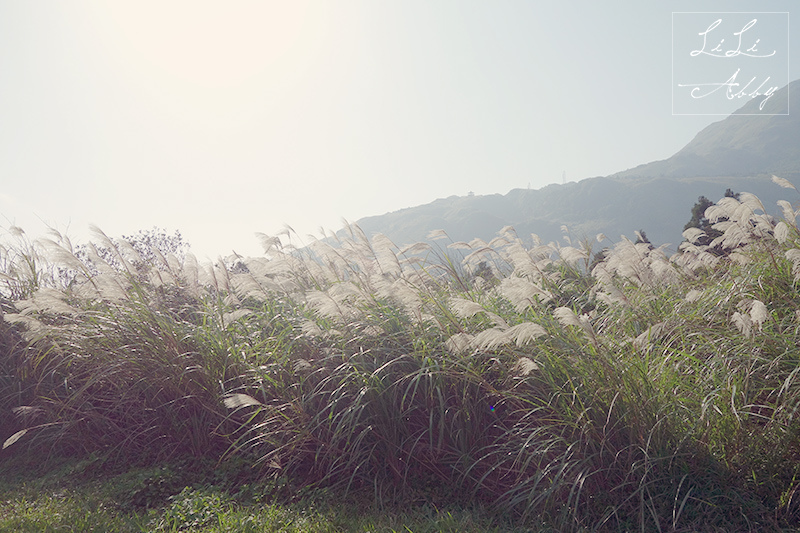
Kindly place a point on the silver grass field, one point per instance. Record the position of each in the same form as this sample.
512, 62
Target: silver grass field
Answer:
576, 386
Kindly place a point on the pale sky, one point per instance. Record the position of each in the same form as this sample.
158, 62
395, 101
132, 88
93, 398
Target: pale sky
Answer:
222, 119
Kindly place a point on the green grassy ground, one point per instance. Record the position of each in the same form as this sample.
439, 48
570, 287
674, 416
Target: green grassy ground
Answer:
194, 496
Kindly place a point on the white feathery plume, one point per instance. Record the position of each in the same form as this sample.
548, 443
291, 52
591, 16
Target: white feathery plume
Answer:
572, 255
629, 261
521, 261
758, 312
268, 242
477, 255
326, 306
509, 230
752, 313
110, 286
733, 236
33, 328
46, 300
156, 277
752, 201
416, 248
405, 294
786, 184
231, 300
387, 260
497, 320
743, 323
491, 338
62, 255
191, 274
256, 265
281, 265
740, 258
610, 293
418, 277
373, 330
793, 255
130, 254
782, 232
789, 214
459, 343
309, 327
237, 400
411, 261
344, 290
500, 241
301, 365
230, 318
437, 234
522, 293
566, 317
744, 214
160, 259
693, 234
464, 308
477, 243
664, 272
694, 257
206, 275
524, 366
693, 295
543, 251
524, 333
601, 237
331, 257
106, 242
722, 209
246, 286
173, 263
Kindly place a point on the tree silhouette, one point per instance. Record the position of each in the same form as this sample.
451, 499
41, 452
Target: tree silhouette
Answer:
700, 221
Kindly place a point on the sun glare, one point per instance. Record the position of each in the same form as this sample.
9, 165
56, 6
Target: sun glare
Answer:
210, 45
207, 62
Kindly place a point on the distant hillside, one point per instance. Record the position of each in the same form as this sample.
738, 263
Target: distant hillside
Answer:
739, 152
739, 145
659, 206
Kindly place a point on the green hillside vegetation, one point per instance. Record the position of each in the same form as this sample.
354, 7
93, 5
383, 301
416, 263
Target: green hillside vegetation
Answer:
541, 387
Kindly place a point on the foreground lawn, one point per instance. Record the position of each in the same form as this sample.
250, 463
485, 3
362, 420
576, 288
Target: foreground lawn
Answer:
91, 495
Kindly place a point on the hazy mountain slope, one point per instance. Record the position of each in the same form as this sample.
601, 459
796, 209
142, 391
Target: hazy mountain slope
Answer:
659, 206
739, 152
739, 145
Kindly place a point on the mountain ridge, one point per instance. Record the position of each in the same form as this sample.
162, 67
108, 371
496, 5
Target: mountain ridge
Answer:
740, 152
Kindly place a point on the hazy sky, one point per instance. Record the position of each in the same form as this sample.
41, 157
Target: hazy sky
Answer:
222, 119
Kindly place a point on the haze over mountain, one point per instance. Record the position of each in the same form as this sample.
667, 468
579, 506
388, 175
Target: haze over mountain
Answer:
741, 145
740, 152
